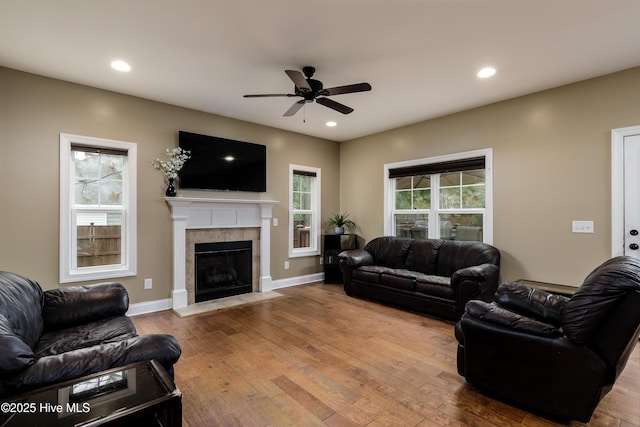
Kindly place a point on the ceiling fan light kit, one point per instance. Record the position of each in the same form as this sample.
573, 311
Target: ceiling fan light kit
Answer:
311, 90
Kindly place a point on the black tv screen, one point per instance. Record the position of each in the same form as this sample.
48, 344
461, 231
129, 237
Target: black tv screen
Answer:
222, 164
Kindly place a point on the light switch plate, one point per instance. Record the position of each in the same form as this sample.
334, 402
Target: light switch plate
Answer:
582, 226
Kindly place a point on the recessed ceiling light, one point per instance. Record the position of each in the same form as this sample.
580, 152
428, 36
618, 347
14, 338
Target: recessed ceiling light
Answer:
331, 124
120, 66
486, 72
229, 158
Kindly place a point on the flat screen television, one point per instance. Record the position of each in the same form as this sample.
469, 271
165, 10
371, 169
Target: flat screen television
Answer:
222, 164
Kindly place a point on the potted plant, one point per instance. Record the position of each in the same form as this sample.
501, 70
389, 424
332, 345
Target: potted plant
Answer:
341, 221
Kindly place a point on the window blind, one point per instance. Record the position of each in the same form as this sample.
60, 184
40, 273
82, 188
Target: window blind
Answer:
98, 150
304, 173
441, 167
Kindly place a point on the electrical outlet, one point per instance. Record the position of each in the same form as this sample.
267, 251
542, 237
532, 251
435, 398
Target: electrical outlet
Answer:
286, 265
148, 283
275, 222
321, 260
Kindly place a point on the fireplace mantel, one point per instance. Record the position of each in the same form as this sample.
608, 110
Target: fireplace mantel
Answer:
200, 213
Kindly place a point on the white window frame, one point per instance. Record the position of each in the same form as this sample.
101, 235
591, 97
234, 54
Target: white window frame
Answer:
314, 238
127, 267
389, 191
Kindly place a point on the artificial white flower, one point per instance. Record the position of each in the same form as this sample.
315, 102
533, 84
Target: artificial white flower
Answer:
177, 158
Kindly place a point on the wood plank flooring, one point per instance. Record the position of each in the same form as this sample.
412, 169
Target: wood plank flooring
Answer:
316, 357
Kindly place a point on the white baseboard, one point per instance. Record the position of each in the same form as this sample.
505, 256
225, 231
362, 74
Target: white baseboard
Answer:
149, 307
165, 304
294, 281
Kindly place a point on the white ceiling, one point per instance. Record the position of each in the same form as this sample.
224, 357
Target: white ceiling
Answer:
420, 56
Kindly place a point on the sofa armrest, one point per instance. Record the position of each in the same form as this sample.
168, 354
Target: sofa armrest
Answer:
354, 258
475, 282
493, 313
481, 273
348, 261
89, 360
15, 354
76, 305
535, 303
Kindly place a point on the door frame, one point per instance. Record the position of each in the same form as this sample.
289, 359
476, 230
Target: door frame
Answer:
617, 187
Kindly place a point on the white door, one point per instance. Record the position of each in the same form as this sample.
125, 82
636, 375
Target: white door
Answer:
632, 195
625, 191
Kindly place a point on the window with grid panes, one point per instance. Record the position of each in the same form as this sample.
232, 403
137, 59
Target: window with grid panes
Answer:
97, 208
440, 198
304, 221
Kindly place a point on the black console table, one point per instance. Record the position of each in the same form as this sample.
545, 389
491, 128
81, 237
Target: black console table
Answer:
333, 245
140, 394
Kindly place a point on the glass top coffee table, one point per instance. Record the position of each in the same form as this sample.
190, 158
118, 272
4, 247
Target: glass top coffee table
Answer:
141, 393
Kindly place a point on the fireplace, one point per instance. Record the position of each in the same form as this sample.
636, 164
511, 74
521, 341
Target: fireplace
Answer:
222, 269
198, 220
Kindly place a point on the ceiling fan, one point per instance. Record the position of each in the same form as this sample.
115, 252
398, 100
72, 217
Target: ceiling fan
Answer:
312, 90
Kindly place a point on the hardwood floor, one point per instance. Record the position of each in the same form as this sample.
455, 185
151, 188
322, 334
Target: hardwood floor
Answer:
316, 357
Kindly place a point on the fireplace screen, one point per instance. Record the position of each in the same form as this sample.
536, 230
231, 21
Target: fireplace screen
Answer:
222, 269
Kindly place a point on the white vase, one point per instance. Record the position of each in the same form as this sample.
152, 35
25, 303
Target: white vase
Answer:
339, 230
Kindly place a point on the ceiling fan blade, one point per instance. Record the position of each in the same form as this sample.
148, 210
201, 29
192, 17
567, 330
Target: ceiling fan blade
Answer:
294, 108
268, 95
338, 90
334, 105
299, 80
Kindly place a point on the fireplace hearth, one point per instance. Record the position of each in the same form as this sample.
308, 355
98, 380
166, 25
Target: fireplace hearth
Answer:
222, 269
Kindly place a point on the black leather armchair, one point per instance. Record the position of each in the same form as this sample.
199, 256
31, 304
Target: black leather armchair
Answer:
56, 335
556, 355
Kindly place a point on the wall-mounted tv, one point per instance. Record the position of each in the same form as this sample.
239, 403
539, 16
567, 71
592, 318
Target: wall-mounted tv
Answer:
222, 164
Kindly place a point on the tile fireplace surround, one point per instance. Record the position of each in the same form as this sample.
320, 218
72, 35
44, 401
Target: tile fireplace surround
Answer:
197, 220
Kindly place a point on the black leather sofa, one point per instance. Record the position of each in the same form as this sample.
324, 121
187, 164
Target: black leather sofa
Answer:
56, 335
429, 276
555, 355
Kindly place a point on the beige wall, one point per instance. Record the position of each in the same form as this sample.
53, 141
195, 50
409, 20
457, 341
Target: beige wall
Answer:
33, 112
552, 165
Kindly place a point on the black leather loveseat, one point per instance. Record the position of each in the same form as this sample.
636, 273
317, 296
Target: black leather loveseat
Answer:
56, 335
435, 277
556, 355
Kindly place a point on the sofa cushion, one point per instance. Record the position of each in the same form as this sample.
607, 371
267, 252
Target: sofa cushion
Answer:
21, 302
423, 256
600, 293
400, 279
370, 273
389, 251
77, 363
454, 255
438, 286
15, 354
87, 335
